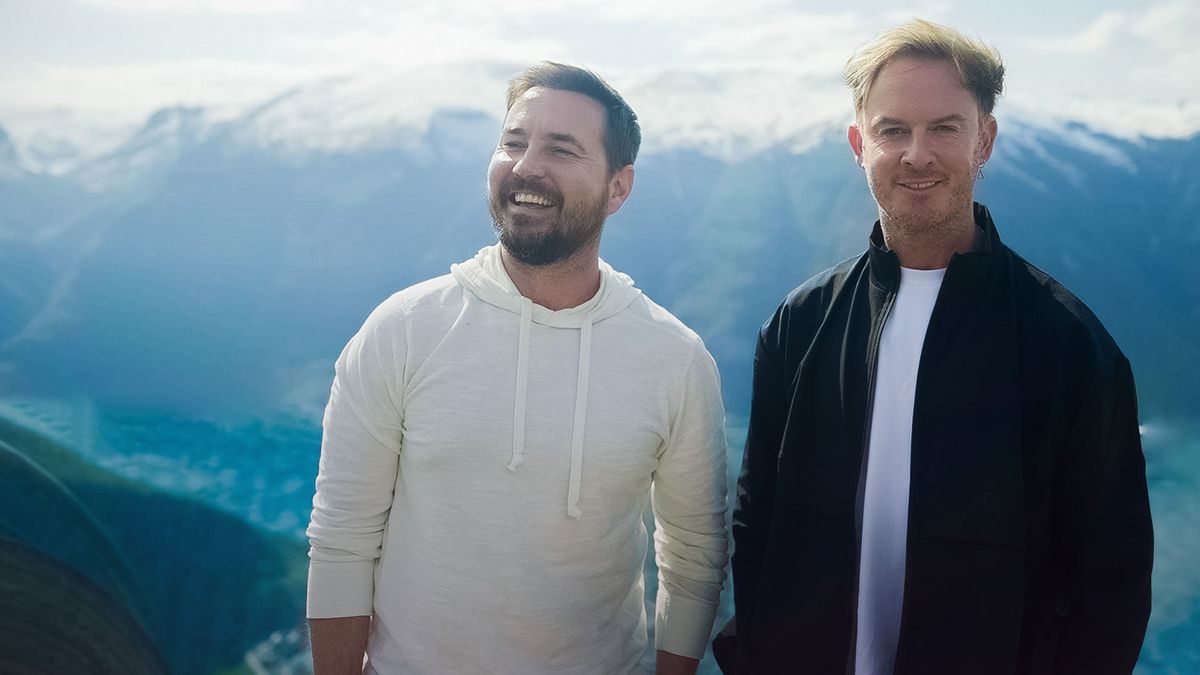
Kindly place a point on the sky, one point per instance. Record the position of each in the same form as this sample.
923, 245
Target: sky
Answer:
1124, 66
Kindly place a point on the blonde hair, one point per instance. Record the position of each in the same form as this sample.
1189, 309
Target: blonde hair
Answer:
978, 66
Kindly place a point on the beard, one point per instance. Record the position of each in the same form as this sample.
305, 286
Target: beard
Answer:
932, 224
540, 239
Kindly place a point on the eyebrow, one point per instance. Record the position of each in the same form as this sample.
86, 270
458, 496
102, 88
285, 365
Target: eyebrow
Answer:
885, 121
567, 138
554, 136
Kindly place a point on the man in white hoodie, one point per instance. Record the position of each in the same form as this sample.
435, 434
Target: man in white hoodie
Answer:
493, 436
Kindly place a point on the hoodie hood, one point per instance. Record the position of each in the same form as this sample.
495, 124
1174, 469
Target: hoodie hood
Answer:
485, 277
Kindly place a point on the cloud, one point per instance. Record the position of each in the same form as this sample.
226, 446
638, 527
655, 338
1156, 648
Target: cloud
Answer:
1120, 116
617, 34
1100, 35
809, 43
1145, 56
933, 10
661, 54
1170, 27
1163, 28
1170, 31
198, 6
420, 36
125, 91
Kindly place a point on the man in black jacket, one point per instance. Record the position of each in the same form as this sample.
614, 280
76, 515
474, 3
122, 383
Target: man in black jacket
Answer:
943, 472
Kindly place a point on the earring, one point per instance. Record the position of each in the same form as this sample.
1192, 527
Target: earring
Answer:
979, 176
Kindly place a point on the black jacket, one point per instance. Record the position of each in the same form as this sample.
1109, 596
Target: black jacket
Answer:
1029, 535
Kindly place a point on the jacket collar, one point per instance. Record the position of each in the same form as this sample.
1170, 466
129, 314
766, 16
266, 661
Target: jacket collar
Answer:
885, 265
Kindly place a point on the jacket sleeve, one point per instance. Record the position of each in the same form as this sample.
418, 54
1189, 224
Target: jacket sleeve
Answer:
1105, 532
756, 484
360, 449
690, 502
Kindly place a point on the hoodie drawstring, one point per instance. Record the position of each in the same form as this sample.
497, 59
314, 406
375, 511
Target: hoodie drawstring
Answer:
484, 277
581, 392
518, 449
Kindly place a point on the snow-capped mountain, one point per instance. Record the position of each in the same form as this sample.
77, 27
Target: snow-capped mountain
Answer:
149, 151
210, 261
222, 257
11, 169
729, 114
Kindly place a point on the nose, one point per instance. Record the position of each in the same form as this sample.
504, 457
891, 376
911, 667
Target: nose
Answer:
919, 153
529, 164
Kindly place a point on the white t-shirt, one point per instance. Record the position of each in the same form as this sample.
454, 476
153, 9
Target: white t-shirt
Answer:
885, 501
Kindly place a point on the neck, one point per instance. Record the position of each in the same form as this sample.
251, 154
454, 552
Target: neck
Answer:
561, 285
930, 248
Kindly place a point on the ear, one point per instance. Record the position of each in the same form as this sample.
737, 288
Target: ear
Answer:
987, 139
854, 135
619, 187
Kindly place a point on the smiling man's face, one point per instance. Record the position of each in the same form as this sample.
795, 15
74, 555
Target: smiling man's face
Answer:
921, 139
548, 181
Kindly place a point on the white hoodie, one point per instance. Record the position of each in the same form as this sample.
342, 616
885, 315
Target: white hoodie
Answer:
484, 469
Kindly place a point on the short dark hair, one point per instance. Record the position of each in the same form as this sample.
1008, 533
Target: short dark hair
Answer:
622, 135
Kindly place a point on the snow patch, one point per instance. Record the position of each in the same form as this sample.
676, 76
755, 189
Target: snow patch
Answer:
726, 113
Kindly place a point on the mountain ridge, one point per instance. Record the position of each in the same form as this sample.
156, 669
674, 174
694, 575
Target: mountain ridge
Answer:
729, 114
194, 270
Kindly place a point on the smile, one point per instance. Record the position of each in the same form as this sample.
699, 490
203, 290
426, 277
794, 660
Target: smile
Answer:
924, 185
529, 199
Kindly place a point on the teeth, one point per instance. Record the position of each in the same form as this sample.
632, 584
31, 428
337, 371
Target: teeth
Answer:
920, 186
527, 198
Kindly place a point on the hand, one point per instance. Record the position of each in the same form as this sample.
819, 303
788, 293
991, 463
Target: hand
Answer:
338, 644
667, 663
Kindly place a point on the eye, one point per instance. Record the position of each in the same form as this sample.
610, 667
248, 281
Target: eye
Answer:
892, 131
946, 128
563, 152
512, 145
